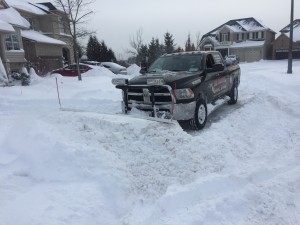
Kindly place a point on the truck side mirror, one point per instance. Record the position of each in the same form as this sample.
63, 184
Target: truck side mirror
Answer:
144, 70
218, 67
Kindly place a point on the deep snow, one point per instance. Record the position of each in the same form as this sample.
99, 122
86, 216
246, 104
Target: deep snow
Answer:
88, 164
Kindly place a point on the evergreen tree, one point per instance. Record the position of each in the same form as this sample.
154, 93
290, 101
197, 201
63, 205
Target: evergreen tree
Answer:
189, 46
93, 47
155, 50
152, 50
111, 55
99, 51
142, 56
160, 48
103, 52
169, 43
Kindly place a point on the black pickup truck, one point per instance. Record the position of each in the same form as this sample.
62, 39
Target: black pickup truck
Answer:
179, 86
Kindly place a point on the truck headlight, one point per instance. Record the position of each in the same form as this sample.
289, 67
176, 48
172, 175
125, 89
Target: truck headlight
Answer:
119, 81
186, 93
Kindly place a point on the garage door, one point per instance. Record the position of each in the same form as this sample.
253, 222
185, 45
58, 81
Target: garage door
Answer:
284, 54
253, 54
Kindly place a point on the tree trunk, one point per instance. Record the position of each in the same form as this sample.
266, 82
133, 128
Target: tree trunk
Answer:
76, 52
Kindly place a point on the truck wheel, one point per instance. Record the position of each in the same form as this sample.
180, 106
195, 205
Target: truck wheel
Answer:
233, 95
200, 116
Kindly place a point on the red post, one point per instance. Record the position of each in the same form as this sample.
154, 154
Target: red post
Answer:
58, 93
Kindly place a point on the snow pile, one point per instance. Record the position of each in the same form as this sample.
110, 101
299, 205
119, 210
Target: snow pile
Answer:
133, 70
88, 164
98, 71
3, 75
34, 78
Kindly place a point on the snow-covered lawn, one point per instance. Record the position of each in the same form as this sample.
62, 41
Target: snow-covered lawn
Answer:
91, 165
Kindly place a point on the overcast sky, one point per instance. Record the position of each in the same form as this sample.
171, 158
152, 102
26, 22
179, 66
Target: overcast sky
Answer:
116, 21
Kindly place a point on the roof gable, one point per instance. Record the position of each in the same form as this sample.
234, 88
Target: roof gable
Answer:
296, 25
296, 31
240, 25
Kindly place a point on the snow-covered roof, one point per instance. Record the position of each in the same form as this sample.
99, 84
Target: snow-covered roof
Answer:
296, 30
40, 38
247, 44
234, 28
296, 35
211, 39
241, 25
251, 25
296, 24
28, 7
6, 27
12, 17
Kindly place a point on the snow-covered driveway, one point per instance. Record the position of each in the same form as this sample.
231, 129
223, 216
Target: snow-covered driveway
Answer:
91, 165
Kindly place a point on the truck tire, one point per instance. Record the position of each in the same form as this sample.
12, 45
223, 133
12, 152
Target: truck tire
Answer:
200, 115
234, 94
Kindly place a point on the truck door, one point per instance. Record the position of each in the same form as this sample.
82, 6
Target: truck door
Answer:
213, 79
223, 77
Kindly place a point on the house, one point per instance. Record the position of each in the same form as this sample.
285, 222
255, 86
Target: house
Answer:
11, 46
47, 44
281, 44
247, 37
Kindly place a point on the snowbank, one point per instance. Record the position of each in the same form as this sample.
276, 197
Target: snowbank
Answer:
3, 75
89, 164
133, 70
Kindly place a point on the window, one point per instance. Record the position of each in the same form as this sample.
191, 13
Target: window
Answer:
61, 26
239, 36
225, 37
188, 62
250, 36
12, 42
209, 61
259, 35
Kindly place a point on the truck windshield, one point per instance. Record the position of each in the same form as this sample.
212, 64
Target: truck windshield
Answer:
176, 63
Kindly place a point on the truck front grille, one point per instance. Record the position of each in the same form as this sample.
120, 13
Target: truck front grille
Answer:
162, 95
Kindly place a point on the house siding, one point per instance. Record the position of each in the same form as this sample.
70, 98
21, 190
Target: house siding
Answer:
45, 57
48, 24
13, 60
48, 50
282, 44
241, 39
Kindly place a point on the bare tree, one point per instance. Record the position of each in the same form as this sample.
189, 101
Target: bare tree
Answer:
78, 12
198, 40
136, 42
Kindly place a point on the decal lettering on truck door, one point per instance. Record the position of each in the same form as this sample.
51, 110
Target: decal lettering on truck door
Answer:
219, 85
